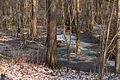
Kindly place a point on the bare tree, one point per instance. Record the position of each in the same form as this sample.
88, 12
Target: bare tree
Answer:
118, 40
51, 34
78, 50
34, 18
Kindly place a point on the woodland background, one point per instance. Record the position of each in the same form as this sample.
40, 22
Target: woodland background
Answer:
77, 34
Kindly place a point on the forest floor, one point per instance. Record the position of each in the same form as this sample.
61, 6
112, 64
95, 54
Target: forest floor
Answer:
18, 61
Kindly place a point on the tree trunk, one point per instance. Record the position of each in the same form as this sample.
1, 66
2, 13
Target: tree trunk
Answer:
0, 22
78, 50
98, 11
51, 35
34, 18
118, 41
22, 13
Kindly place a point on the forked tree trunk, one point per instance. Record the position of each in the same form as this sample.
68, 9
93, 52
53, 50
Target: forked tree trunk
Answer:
51, 58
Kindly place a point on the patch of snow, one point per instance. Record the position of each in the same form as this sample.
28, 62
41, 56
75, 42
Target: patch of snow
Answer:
61, 37
73, 41
72, 54
5, 38
62, 59
110, 63
84, 44
97, 27
84, 49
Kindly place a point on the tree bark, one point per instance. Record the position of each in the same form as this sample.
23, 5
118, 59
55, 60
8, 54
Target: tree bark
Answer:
51, 35
78, 50
117, 66
34, 18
